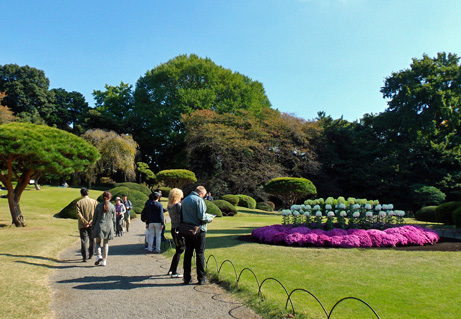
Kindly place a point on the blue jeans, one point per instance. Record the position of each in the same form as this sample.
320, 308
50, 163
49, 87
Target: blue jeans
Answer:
155, 231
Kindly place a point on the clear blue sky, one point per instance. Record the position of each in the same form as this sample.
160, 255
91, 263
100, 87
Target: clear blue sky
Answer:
310, 55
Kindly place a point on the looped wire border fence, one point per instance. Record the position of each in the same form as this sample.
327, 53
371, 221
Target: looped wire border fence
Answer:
260, 295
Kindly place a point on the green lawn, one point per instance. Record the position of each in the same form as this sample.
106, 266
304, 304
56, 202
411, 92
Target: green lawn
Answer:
397, 284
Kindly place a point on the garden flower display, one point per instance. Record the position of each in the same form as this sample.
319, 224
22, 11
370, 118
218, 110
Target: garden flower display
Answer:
303, 236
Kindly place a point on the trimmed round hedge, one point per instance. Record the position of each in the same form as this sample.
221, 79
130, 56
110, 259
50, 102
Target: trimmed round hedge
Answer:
233, 199
246, 201
457, 217
165, 191
226, 208
444, 212
426, 214
137, 187
264, 206
70, 211
212, 209
137, 198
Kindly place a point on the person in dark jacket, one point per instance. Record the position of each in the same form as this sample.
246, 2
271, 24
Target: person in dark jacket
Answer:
155, 222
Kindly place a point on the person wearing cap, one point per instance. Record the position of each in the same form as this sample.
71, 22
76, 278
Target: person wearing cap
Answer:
119, 213
155, 222
129, 207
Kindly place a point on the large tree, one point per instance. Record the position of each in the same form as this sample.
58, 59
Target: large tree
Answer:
26, 92
29, 150
180, 86
70, 111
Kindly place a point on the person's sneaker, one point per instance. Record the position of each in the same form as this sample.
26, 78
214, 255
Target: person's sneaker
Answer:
170, 273
176, 276
202, 282
187, 282
103, 263
98, 260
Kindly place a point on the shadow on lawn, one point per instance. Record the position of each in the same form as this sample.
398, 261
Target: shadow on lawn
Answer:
117, 282
230, 237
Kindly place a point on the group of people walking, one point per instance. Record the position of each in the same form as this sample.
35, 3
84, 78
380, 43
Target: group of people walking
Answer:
99, 222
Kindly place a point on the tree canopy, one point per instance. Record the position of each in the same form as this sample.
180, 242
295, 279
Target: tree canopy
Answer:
180, 86
290, 189
28, 150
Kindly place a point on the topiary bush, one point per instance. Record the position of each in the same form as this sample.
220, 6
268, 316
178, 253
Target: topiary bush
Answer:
226, 208
70, 211
290, 189
176, 177
444, 212
423, 195
264, 206
246, 201
272, 204
426, 214
457, 217
137, 198
212, 209
135, 186
233, 199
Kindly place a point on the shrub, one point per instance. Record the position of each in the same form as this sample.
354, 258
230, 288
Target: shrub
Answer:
212, 209
272, 204
445, 211
176, 177
134, 186
246, 201
226, 208
427, 195
264, 206
165, 191
426, 214
70, 211
233, 199
290, 189
457, 217
137, 198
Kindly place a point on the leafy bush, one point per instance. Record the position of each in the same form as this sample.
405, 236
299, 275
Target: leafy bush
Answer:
426, 196
457, 217
426, 214
444, 212
246, 201
272, 204
137, 187
226, 208
233, 199
70, 211
137, 198
264, 206
290, 189
165, 191
176, 177
212, 209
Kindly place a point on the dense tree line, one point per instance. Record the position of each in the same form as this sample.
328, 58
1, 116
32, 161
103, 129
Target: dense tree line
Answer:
191, 113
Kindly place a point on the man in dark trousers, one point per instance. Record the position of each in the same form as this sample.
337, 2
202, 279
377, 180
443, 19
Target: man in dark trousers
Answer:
194, 213
85, 210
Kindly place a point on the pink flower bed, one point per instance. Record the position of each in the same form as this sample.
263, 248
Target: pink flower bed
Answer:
303, 236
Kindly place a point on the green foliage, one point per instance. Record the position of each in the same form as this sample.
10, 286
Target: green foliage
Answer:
246, 201
290, 189
182, 85
165, 191
70, 211
226, 208
445, 211
212, 209
71, 111
427, 196
264, 206
137, 198
176, 177
146, 173
233, 199
427, 214
135, 186
457, 217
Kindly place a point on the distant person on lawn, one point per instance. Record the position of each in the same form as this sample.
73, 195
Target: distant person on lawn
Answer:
194, 213
85, 210
104, 227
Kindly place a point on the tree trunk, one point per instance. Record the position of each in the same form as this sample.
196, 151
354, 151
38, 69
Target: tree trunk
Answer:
37, 186
16, 215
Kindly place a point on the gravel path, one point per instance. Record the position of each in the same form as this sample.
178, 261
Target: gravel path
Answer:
134, 285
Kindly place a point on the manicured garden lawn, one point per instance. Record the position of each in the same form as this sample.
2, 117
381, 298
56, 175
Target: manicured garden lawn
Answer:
396, 283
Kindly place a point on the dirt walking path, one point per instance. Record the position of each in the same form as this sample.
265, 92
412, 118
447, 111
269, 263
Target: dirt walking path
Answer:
134, 285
